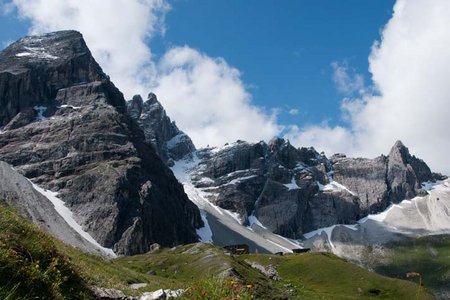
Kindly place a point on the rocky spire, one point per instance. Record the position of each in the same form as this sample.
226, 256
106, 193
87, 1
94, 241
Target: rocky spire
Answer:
169, 142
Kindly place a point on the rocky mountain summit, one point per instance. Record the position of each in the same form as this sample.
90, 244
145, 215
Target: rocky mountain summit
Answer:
66, 127
291, 191
169, 142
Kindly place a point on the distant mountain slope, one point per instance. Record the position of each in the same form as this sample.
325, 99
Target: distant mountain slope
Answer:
251, 190
293, 191
423, 215
66, 129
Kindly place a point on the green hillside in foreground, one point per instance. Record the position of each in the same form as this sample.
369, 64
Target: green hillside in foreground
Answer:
427, 255
35, 266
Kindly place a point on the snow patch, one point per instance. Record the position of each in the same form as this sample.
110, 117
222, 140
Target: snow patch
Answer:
238, 180
380, 217
183, 167
205, 232
443, 186
328, 231
215, 150
67, 215
205, 180
292, 185
24, 54
232, 182
353, 227
334, 186
252, 220
234, 215
232, 174
36, 52
69, 106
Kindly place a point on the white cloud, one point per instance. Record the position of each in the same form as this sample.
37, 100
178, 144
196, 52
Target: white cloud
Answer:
204, 95
323, 137
293, 111
346, 79
208, 99
410, 67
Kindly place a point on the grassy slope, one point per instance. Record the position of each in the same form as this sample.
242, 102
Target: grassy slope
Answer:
325, 276
31, 266
427, 255
65, 272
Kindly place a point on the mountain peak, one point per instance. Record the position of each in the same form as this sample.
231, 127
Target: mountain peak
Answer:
399, 152
398, 144
152, 99
35, 68
169, 142
48, 49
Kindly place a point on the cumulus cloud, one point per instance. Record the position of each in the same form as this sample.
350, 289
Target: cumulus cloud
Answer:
410, 69
323, 137
208, 99
204, 95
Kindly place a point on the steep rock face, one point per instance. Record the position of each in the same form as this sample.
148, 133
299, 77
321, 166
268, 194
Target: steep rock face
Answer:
67, 130
169, 142
365, 177
66, 63
293, 191
17, 191
405, 173
276, 183
385, 179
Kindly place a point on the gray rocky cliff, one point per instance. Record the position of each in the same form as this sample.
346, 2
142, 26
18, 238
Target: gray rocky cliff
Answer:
169, 142
277, 183
405, 173
365, 177
32, 71
384, 179
66, 129
292, 191
18, 192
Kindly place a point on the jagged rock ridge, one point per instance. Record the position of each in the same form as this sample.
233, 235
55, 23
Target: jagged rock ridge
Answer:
67, 129
293, 191
169, 142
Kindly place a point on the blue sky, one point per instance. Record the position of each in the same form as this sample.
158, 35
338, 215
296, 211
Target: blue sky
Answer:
228, 69
283, 51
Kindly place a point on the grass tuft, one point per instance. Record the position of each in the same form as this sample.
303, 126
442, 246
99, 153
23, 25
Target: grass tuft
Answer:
31, 267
